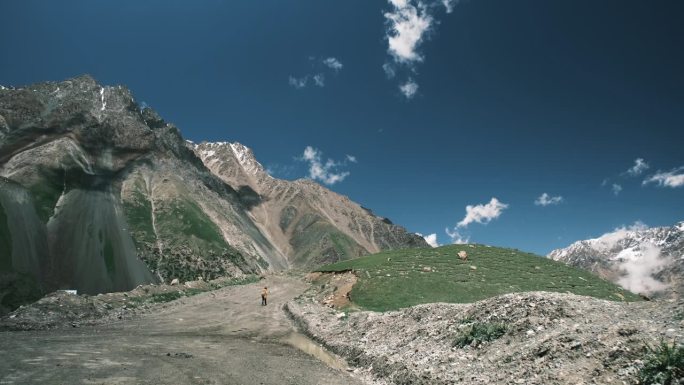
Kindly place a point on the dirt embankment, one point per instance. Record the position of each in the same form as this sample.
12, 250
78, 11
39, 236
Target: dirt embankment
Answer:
332, 289
548, 338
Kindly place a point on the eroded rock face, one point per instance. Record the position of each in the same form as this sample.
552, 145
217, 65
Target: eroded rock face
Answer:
114, 197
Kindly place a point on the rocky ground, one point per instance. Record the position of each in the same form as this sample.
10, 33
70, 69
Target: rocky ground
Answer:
550, 338
223, 336
62, 309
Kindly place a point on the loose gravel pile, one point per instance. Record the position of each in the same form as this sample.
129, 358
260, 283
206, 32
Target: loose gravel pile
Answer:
550, 338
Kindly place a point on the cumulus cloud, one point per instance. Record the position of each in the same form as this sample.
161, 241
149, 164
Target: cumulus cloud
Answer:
456, 237
639, 167
616, 188
351, 158
409, 88
449, 5
333, 63
547, 200
431, 239
407, 25
319, 80
298, 83
327, 172
483, 213
673, 178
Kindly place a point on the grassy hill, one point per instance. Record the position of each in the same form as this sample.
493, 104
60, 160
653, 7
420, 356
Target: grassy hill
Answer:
401, 278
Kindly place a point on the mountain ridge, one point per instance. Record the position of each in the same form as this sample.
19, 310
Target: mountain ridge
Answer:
639, 258
118, 198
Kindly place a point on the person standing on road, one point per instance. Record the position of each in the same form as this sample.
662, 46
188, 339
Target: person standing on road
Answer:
264, 295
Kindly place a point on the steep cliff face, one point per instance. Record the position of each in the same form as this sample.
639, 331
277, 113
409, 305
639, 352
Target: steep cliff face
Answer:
99, 195
306, 222
68, 154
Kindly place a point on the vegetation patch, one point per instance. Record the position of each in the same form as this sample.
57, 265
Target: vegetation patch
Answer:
401, 278
479, 332
5, 242
166, 297
45, 196
664, 365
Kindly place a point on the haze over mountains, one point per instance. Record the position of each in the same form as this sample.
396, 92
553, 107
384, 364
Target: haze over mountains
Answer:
638, 258
100, 195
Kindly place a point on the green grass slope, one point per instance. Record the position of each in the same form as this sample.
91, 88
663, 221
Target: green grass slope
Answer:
401, 278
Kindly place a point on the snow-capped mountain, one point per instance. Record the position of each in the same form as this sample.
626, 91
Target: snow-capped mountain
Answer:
641, 259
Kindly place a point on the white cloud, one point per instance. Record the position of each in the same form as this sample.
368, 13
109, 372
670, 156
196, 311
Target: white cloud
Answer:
449, 5
639, 166
547, 200
389, 70
673, 178
351, 158
298, 83
407, 25
456, 237
638, 263
616, 188
319, 80
326, 172
638, 272
483, 213
333, 63
409, 89
430, 239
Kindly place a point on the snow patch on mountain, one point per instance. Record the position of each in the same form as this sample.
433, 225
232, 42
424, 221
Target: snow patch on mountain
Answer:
641, 259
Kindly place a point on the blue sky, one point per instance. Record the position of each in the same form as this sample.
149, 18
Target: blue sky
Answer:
514, 99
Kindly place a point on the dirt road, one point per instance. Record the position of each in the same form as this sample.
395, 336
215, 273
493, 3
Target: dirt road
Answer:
220, 337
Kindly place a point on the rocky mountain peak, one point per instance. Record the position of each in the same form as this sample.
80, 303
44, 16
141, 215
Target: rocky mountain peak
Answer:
643, 259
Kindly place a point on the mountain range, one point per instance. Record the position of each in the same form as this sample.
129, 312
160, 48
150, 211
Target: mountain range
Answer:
641, 259
100, 194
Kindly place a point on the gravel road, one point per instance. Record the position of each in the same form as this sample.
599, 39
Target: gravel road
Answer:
219, 337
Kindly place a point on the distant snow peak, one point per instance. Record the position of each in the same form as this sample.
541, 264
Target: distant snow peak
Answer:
245, 157
638, 265
638, 258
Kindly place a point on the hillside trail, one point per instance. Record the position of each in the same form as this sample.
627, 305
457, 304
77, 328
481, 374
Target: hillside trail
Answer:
219, 337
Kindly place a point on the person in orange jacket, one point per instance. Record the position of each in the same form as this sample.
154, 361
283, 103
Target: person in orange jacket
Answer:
264, 295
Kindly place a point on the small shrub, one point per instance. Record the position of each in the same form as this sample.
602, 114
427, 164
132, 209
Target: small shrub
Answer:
679, 315
478, 333
664, 365
166, 297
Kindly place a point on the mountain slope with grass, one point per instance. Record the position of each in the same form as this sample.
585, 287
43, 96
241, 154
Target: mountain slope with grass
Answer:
397, 279
100, 194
